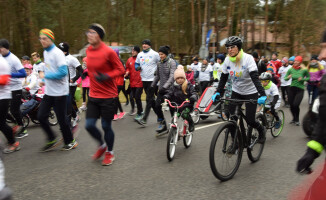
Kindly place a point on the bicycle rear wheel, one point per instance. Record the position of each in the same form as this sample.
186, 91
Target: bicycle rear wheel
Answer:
195, 116
276, 132
171, 143
225, 152
255, 149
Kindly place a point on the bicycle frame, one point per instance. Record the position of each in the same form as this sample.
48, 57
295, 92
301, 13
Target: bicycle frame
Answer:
174, 123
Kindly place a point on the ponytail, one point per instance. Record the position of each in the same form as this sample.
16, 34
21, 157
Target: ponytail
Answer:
184, 87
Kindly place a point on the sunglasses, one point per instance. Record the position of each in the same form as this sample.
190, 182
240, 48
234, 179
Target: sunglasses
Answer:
264, 81
231, 47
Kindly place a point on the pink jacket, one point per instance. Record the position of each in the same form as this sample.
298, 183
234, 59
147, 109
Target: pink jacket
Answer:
85, 82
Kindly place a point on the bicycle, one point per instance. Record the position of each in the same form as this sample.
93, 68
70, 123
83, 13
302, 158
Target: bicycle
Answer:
229, 141
268, 120
177, 130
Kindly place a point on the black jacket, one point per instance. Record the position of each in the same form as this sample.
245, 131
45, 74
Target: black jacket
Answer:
175, 94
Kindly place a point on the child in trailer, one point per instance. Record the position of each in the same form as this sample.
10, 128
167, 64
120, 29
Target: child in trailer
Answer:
180, 91
273, 100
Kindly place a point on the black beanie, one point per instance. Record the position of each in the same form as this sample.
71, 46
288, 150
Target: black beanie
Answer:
4, 43
255, 55
64, 46
147, 41
98, 28
164, 50
136, 48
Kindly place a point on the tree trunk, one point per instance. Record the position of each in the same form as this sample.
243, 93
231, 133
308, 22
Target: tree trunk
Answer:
177, 28
245, 32
216, 27
193, 31
199, 19
275, 25
151, 18
266, 25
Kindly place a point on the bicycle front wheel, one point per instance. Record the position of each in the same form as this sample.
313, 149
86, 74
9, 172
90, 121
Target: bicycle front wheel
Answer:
277, 131
171, 143
195, 116
187, 138
225, 152
255, 149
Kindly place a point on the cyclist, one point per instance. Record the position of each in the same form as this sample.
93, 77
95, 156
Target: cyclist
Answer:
180, 91
17, 72
30, 82
245, 82
299, 76
273, 100
56, 92
285, 85
5, 96
75, 71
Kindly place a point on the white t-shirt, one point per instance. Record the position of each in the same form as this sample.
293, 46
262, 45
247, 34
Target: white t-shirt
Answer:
15, 65
53, 59
5, 92
32, 83
196, 67
270, 93
38, 67
241, 80
148, 63
72, 63
282, 71
205, 75
218, 68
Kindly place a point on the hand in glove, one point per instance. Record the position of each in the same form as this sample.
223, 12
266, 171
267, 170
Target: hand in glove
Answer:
216, 96
303, 165
262, 100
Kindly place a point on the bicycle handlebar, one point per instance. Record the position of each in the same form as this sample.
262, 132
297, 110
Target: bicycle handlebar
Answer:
175, 103
253, 101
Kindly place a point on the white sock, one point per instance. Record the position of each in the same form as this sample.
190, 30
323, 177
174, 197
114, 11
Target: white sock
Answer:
103, 146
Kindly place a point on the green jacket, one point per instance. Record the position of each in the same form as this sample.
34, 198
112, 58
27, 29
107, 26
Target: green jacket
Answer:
296, 73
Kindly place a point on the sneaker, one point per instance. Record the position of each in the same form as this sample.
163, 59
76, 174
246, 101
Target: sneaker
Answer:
83, 107
49, 146
297, 123
162, 127
75, 121
115, 117
108, 159
121, 115
277, 124
132, 112
12, 148
71, 145
138, 117
22, 134
141, 121
100, 151
17, 129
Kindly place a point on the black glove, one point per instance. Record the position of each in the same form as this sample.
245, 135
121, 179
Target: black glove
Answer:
100, 77
162, 91
304, 163
215, 80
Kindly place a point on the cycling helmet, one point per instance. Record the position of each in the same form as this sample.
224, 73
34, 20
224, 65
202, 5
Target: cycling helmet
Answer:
265, 76
234, 40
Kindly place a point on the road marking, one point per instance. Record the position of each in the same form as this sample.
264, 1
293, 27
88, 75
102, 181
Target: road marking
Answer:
198, 128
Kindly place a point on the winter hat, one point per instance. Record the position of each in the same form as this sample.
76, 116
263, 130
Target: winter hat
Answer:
136, 48
270, 67
285, 60
298, 58
211, 60
28, 66
292, 58
64, 46
147, 41
179, 72
98, 28
314, 57
195, 59
48, 33
255, 54
25, 58
4, 43
221, 57
164, 50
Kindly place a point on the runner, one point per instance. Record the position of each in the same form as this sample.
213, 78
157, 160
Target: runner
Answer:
299, 76
165, 77
26, 60
276, 62
56, 92
103, 66
217, 70
75, 71
135, 83
316, 71
5, 96
84, 79
285, 85
38, 64
120, 87
146, 63
17, 72
245, 82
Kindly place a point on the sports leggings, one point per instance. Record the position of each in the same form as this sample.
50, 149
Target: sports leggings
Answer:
295, 98
85, 92
15, 106
96, 134
120, 88
285, 93
135, 95
4, 128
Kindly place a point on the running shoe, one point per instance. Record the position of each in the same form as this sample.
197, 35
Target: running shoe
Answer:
75, 121
108, 159
70, 146
83, 107
115, 117
22, 134
12, 148
141, 121
138, 117
297, 123
100, 151
132, 112
17, 129
49, 146
277, 124
121, 115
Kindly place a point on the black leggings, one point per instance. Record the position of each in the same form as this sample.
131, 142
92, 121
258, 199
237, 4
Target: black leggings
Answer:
123, 89
150, 100
285, 93
250, 108
72, 106
135, 95
85, 92
15, 106
120, 88
295, 98
4, 128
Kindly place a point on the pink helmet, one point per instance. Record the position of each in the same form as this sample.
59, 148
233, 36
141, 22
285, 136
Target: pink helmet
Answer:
28, 66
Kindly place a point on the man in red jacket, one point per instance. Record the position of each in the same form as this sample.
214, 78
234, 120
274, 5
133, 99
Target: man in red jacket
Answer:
103, 66
276, 62
136, 84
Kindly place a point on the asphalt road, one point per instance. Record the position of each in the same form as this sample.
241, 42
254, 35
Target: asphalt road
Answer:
142, 171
